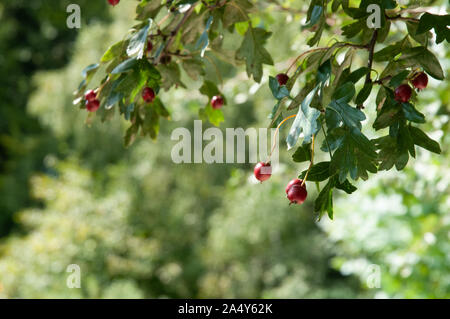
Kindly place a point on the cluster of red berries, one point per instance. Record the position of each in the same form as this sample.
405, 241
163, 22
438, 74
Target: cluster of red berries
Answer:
403, 92
92, 103
295, 189
113, 2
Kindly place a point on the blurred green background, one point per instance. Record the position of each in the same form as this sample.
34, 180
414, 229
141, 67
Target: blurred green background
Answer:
140, 226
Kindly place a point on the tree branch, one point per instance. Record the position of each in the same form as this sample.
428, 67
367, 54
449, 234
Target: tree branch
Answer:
371, 48
174, 33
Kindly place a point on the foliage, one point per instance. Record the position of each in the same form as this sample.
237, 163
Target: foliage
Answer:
181, 33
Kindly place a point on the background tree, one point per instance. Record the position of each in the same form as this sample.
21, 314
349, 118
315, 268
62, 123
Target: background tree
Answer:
133, 222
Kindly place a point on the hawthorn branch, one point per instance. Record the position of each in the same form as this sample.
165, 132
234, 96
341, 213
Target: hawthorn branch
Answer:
174, 33
382, 80
371, 48
399, 17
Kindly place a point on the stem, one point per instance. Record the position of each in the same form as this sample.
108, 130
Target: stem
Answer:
276, 134
326, 141
311, 163
303, 54
371, 48
169, 42
399, 17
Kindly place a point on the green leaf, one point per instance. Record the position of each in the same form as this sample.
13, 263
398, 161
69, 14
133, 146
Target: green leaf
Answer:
364, 93
278, 91
210, 89
426, 59
318, 173
324, 72
346, 186
306, 121
302, 154
315, 15
194, 68
235, 11
388, 53
351, 116
438, 22
138, 41
253, 52
422, 140
215, 117
420, 38
398, 79
344, 93
390, 154
125, 66
113, 51
356, 75
388, 115
171, 75
324, 202
411, 114
356, 156
334, 139
130, 135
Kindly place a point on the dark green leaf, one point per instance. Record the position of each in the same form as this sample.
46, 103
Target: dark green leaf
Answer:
422, 140
253, 52
318, 173
278, 91
324, 202
364, 93
411, 114
302, 154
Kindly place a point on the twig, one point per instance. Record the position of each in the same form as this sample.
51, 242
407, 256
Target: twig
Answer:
169, 42
399, 17
371, 48
380, 81
311, 163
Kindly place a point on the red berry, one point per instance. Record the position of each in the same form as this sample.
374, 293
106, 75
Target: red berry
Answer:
90, 96
403, 93
149, 46
92, 106
282, 78
148, 94
217, 102
262, 171
296, 193
113, 2
420, 81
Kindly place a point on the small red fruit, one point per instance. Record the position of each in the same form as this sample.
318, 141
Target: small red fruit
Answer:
148, 95
403, 93
90, 96
217, 102
282, 78
92, 106
113, 2
420, 82
262, 171
296, 193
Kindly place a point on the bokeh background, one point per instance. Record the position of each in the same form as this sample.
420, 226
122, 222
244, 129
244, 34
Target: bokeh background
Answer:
140, 226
